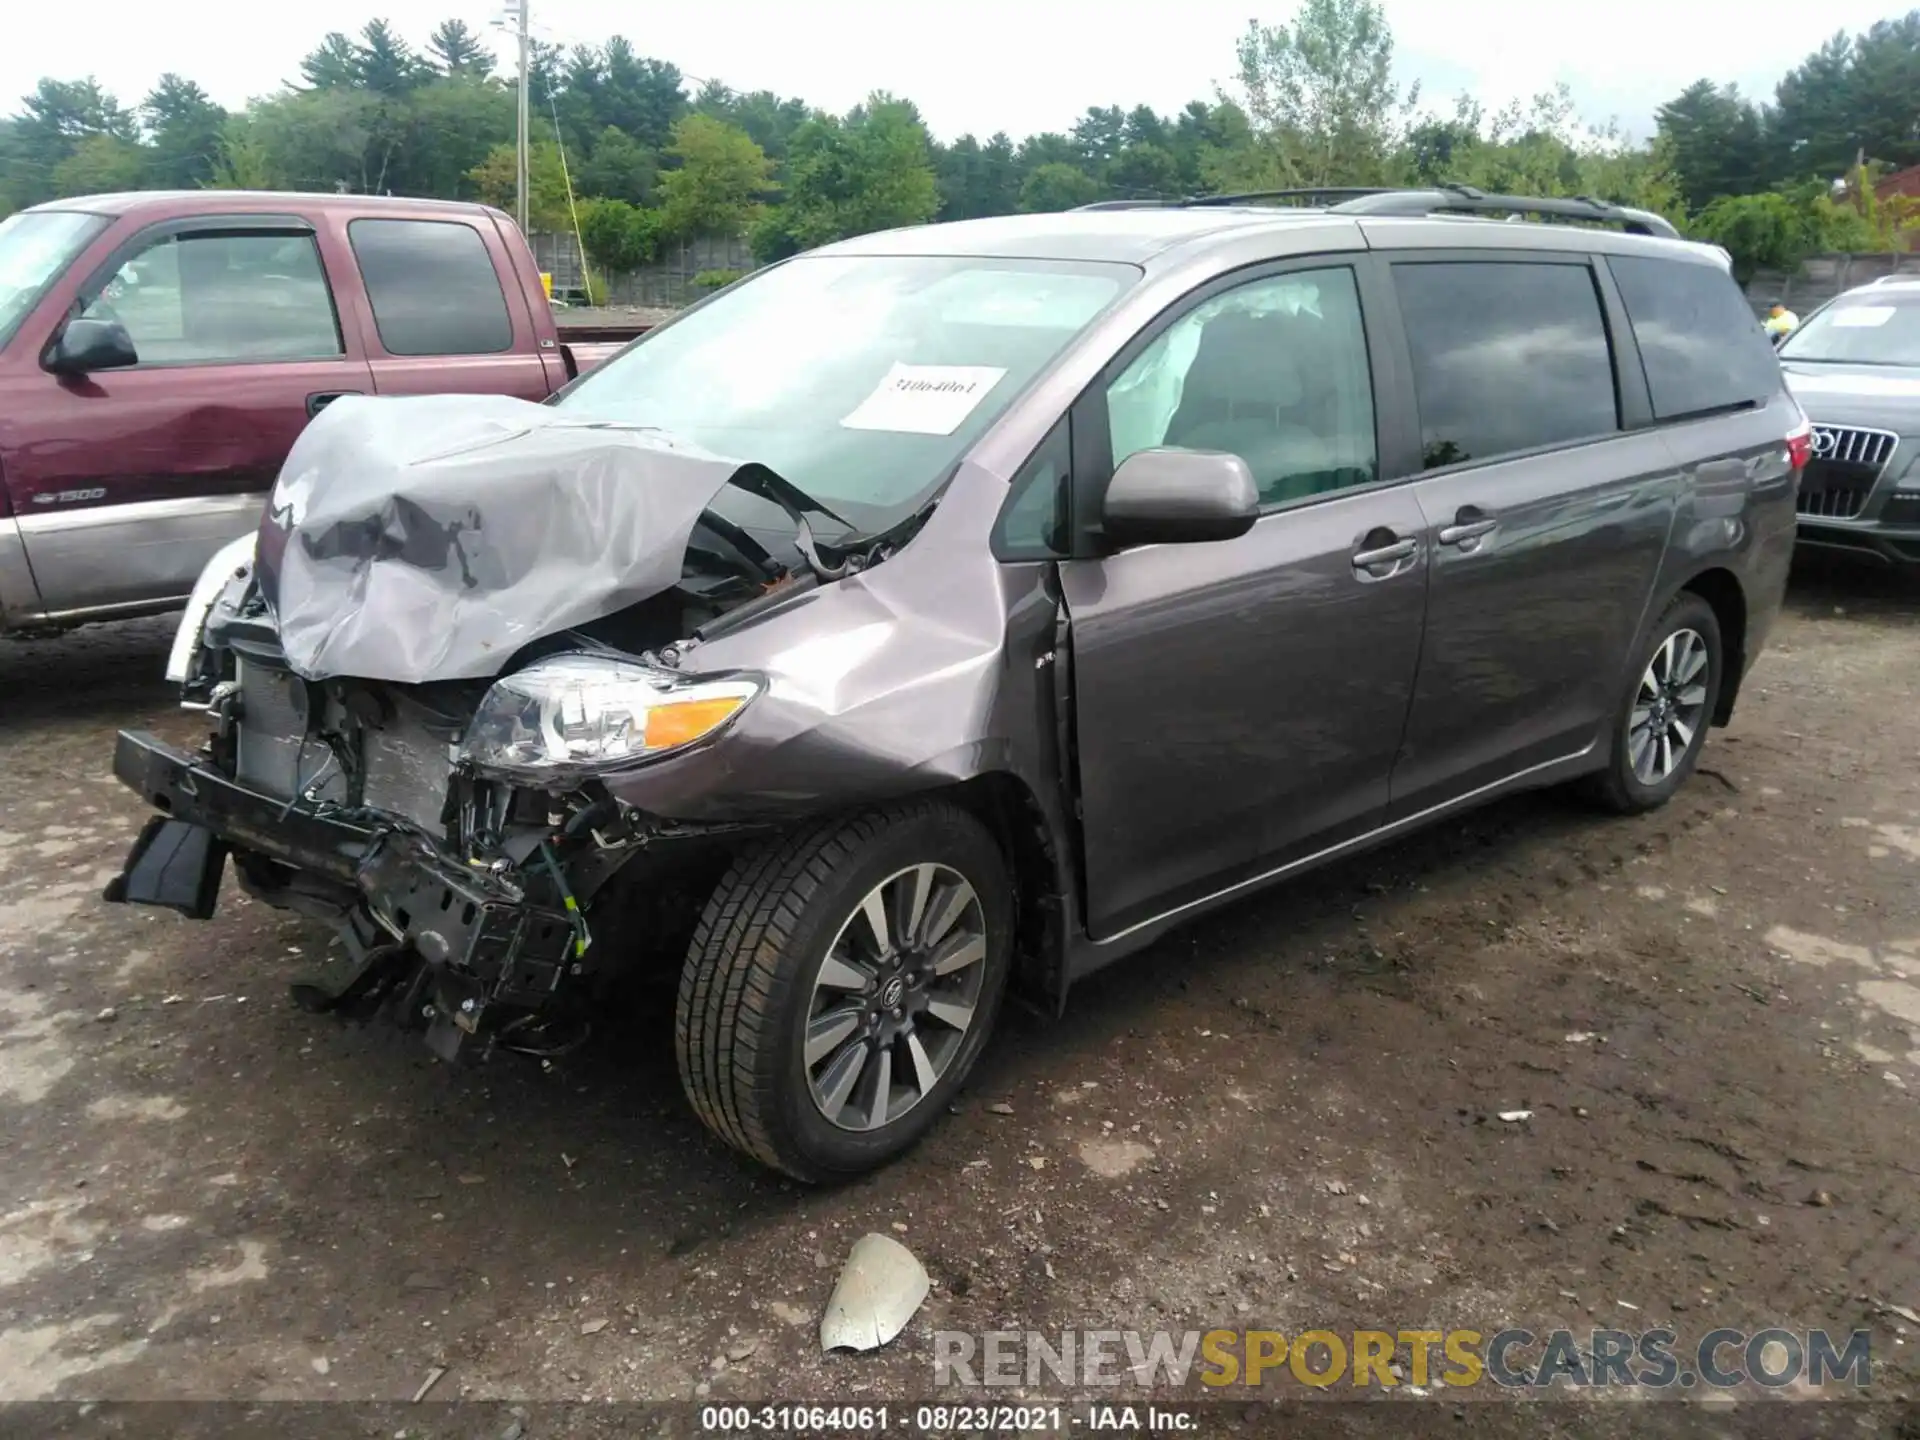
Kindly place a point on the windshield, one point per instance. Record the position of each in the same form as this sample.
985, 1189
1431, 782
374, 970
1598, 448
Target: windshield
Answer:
35, 246
1877, 328
860, 379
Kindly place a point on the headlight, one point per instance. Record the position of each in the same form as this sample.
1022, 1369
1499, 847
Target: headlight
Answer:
577, 715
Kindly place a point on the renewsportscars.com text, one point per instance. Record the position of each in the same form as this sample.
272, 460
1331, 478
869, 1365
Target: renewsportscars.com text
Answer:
1386, 1359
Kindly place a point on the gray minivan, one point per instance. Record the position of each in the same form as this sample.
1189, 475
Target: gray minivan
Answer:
964, 606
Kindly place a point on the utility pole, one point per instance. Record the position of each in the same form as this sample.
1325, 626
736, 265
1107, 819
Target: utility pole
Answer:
524, 139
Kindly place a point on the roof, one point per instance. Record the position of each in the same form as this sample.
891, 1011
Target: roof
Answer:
1901, 182
1127, 236
1146, 236
173, 202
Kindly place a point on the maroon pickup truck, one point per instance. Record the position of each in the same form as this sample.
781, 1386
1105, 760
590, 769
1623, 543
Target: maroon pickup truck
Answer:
159, 353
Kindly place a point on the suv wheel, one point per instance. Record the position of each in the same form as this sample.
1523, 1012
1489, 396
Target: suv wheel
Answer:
841, 984
1662, 722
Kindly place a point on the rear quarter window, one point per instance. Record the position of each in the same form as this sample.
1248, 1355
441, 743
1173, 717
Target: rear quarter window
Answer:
1700, 346
432, 286
1508, 356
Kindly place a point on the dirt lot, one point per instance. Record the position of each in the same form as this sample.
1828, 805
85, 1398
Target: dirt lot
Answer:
1286, 1117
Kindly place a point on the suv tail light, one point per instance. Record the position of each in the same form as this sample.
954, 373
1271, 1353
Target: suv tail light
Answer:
1800, 445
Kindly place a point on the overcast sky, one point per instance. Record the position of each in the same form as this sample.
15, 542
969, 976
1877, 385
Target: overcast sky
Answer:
1014, 65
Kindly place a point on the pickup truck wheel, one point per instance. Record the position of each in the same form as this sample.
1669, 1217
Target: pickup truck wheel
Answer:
841, 984
1661, 725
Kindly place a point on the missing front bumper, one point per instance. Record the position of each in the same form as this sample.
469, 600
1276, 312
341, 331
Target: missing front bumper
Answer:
480, 937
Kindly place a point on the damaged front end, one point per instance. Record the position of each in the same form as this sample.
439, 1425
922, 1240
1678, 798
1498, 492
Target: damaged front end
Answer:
428, 787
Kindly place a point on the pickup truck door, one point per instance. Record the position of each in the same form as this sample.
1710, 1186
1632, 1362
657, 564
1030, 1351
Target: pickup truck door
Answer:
445, 313
126, 481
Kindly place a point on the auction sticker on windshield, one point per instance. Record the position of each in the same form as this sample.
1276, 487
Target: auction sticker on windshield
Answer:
924, 399
1862, 317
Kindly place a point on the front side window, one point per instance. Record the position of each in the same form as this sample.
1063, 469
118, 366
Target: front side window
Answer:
1877, 327
210, 298
35, 247
432, 287
861, 379
1506, 357
1699, 343
1274, 371
1033, 525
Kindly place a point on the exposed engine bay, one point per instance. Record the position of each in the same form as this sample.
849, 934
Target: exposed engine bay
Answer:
479, 892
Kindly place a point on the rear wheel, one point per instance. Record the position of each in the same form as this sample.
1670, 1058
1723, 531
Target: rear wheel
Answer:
841, 984
1661, 725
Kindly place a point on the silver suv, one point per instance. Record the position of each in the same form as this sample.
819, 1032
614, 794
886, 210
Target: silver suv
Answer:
1854, 365
965, 606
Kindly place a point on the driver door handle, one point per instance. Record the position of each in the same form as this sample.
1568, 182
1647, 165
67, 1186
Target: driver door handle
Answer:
1469, 525
1386, 554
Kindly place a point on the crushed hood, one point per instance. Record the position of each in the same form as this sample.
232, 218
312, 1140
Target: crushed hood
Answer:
430, 538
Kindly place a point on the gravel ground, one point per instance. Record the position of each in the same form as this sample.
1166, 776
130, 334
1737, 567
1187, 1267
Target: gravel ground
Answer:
1285, 1117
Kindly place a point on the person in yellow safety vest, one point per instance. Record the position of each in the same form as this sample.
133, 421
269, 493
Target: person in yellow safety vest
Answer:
1781, 322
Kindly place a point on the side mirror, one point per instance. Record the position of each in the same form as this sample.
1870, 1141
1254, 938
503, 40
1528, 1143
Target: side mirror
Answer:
1175, 497
87, 345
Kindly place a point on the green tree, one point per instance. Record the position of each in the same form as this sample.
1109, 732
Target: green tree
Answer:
1716, 140
333, 65
1321, 95
453, 49
619, 237
977, 179
1144, 172
770, 120
619, 167
1054, 186
1760, 232
496, 180
385, 63
243, 161
54, 121
720, 180
101, 164
871, 171
186, 129
450, 127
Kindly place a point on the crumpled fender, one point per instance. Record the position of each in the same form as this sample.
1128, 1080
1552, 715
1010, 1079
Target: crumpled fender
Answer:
894, 680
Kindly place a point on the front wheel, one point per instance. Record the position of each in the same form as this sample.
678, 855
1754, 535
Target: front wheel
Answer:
841, 984
1661, 725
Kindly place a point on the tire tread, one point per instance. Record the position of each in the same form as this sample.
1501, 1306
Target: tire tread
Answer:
733, 990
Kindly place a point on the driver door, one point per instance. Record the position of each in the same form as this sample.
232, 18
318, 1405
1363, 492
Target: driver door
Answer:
1238, 704
136, 476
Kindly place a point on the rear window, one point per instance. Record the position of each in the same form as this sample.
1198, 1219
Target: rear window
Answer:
1507, 356
432, 287
1699, 343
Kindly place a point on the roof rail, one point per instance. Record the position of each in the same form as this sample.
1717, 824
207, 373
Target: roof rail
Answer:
1323, 194
1466, 199
1317, 195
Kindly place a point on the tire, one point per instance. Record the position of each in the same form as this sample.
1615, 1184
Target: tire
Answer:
1624, 786
758, 986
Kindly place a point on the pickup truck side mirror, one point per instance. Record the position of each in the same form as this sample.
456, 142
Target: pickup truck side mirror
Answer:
88, 345
1174, 497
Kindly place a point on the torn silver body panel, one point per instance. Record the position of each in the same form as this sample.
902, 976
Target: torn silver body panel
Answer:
429, 538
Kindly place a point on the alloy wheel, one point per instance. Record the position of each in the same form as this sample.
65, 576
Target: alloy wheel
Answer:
1669, 708
895, 997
